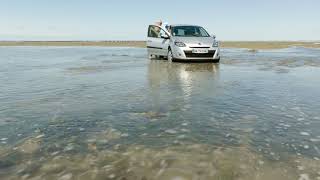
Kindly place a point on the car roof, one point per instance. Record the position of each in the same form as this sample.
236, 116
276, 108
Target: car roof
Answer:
177, 25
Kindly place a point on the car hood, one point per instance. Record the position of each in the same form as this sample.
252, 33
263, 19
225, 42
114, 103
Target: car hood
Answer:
204, 41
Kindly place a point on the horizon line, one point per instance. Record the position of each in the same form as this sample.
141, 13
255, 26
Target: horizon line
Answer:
145, 40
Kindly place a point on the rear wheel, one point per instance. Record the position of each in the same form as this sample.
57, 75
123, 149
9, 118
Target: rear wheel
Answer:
170, 55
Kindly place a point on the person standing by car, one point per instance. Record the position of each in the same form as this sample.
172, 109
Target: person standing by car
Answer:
155, 31
159, 31
159, 23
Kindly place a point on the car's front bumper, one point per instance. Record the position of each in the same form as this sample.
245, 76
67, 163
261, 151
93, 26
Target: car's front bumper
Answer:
185, 53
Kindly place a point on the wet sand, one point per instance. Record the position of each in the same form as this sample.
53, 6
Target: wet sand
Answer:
268, 44
225, 44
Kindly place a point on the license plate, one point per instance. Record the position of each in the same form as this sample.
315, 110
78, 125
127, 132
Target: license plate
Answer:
200, 51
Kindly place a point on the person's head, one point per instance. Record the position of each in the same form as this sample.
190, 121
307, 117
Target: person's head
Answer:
159, 23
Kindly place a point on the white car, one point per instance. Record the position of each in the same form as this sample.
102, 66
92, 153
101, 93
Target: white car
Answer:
182, 42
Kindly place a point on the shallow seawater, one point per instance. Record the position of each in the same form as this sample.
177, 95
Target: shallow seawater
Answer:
111, 113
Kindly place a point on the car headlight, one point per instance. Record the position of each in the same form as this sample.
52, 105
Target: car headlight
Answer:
215, 44
180, 44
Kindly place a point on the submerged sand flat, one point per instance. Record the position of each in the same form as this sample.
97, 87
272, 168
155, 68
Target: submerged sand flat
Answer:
225, 44
187, 162
110, 113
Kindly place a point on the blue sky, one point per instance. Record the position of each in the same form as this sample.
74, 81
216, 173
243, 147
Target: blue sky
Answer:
128, 19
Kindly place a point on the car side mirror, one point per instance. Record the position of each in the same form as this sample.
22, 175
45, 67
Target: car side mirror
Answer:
165, 37
213, 36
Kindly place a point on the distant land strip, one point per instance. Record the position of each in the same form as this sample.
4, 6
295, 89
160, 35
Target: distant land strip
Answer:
225, 44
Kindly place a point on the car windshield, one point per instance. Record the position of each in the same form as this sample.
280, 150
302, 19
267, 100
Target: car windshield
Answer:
189, 31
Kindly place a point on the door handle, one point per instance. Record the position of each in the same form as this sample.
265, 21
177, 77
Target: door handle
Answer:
149, 41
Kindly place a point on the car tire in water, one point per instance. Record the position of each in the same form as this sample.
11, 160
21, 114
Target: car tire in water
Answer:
170, 55
150, 56
161, 57
216, 60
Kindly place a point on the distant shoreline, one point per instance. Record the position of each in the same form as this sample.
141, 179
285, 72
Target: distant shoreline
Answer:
225, 44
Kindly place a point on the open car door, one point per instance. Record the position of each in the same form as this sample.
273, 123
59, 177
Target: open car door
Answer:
157, 41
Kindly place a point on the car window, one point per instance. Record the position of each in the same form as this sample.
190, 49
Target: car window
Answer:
190, 31
203, 32
156, 32
179, 32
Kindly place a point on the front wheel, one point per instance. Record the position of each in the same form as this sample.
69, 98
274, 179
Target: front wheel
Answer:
170, 55
216, 60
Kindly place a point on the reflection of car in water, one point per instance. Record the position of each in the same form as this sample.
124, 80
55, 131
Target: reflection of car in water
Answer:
185, 81
183, 42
